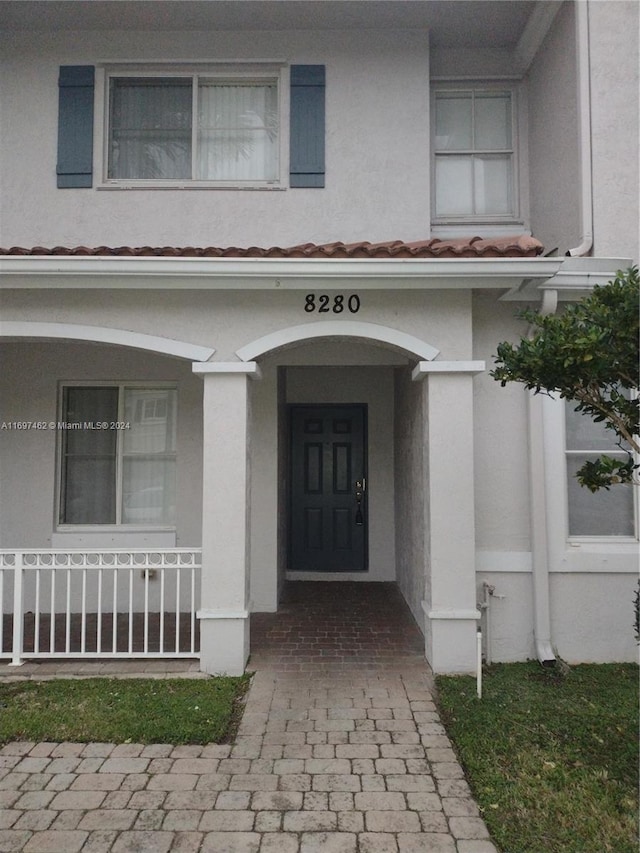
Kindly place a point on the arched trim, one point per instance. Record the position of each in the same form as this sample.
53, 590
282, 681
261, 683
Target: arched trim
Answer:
338, 329
15, 330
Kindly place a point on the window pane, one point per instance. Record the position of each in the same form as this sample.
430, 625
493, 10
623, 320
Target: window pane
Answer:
148, 491
453, 123
237, 132
492, 177
83, 407
602, 513
492, 121
150, 132
89, 496
151, 415
88, 457
454, 195
584, 434
148, 487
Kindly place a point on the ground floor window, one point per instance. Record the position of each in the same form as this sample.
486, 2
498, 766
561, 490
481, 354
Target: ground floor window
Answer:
605, 512
117, 455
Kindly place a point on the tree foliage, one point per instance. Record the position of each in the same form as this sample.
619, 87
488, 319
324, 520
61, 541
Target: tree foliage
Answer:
588, 354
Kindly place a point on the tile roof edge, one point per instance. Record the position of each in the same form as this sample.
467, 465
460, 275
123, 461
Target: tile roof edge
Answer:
512, 246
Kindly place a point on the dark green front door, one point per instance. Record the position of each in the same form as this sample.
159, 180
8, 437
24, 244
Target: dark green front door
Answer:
328, 504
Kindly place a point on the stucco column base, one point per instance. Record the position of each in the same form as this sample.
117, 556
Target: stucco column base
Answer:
224, 644
451, 643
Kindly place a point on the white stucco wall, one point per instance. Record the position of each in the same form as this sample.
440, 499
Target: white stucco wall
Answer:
377, 165
554, 160
470, 62
501, 484
263, 583
228, 320
508, 627
592, 616
613, 28
411, 494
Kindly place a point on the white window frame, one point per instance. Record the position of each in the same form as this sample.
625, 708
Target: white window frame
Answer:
259, 72
595, 454
454, 225
600, 554
118, 525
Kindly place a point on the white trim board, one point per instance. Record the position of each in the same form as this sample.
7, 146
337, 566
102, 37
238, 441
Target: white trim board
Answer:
425, 367
249, 368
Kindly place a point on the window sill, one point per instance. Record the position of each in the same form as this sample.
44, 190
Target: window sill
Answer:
470, 228
602, 544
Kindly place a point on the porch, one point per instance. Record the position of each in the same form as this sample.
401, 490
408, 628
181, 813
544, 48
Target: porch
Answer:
320, 628
122, 591
337, 627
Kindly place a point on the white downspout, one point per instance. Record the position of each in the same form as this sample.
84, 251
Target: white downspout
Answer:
537, 448
584, 119
539, 527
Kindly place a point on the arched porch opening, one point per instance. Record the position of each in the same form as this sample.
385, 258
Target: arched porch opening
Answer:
416, 407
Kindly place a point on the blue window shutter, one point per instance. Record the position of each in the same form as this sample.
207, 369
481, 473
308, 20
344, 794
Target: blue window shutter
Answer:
75, 126
306, 150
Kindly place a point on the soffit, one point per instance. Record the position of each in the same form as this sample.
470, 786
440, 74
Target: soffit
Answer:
452, 23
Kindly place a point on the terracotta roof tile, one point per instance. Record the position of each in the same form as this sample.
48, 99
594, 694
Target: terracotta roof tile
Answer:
521, 246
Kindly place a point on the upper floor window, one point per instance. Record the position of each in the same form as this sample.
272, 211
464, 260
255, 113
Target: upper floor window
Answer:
196, 127
199, 127
605, 512
474, 154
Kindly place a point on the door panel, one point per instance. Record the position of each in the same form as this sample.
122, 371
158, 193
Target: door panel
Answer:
328, 516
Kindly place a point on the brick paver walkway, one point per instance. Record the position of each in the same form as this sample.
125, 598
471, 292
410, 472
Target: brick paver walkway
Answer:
328, 759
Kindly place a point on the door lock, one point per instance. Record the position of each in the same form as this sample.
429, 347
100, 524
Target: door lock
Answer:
360, 490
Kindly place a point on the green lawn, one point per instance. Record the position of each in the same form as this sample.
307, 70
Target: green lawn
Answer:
113, 710
552, 757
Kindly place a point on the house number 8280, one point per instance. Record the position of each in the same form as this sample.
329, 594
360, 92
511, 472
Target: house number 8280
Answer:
323, 303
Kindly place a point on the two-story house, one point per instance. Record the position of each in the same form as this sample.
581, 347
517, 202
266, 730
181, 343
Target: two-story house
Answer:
255, 260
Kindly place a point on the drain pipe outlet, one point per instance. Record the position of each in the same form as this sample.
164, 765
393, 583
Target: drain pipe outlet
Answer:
479, 663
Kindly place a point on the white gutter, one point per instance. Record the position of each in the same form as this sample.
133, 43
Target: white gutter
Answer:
538, 461
584, 118
125, 272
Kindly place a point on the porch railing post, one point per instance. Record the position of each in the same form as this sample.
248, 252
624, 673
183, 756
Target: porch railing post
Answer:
18, 616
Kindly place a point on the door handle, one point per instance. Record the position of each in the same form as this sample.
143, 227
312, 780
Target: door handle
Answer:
360, 490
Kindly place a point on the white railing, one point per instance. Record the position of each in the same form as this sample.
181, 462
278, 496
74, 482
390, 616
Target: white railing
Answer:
120, 603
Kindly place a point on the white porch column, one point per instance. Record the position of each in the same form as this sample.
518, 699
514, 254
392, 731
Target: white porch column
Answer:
224, 598
450, 613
